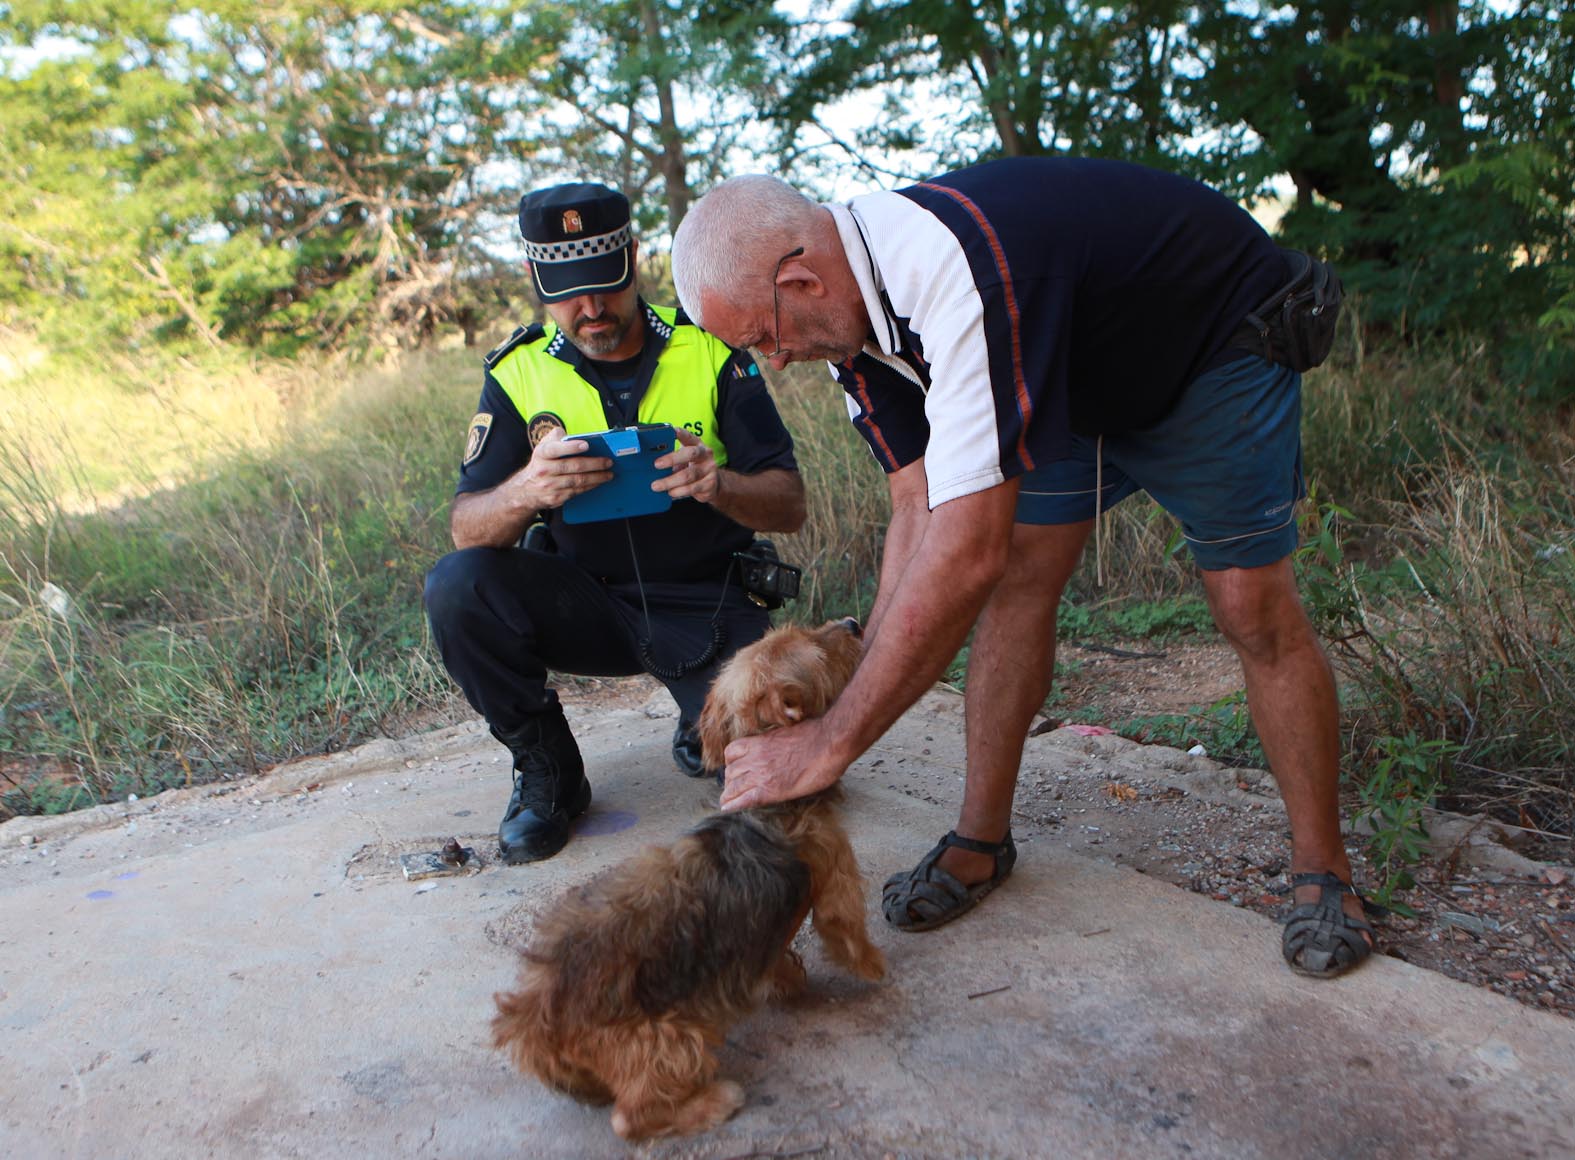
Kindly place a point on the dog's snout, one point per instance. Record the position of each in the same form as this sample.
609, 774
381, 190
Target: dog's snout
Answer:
852, 625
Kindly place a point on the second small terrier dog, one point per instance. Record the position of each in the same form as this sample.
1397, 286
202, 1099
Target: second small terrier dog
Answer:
630, 982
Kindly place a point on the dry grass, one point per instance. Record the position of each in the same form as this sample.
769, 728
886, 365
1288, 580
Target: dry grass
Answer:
254, 590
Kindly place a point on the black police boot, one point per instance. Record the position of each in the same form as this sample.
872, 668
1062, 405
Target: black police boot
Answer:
550, 789
686, 750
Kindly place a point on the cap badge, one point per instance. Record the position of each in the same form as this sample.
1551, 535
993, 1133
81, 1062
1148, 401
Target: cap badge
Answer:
571, 221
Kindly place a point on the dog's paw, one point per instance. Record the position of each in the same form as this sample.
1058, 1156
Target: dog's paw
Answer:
867, 962
701, 1112
787, 978
726, 1097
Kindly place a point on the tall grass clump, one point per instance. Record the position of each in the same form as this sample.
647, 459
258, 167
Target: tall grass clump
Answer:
1460, 629
1438, 566
224, 587
840, 544
248, 599
262, 604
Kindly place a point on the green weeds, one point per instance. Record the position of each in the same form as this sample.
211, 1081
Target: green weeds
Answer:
1224, 730
1395, 799
250, 589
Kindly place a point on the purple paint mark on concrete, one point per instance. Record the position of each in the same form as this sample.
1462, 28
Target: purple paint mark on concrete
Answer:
610, 822
100, 895
126, 875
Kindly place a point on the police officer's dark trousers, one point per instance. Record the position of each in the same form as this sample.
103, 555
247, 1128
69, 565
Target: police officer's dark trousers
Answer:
502, 617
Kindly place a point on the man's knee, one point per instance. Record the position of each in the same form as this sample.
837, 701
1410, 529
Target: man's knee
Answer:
1258, 610
1042, 560
454, 581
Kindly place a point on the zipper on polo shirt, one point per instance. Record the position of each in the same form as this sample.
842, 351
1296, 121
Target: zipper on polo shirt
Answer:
896, 364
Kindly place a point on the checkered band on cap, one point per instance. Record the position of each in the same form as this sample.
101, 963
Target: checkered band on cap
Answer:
579, 248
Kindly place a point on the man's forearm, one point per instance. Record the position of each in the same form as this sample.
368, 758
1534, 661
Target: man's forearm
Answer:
488, 519
947, 579
766, 501
910, 513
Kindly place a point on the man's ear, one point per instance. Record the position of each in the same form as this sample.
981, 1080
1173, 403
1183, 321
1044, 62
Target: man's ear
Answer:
798, 273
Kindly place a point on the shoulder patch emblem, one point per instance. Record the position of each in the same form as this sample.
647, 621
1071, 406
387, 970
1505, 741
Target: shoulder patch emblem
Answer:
480, 428
540, 425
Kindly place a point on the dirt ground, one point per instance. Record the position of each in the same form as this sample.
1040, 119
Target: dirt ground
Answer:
1493, 907
1499, 922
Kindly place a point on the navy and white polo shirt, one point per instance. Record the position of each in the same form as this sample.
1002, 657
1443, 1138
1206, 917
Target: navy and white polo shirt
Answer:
1023, 299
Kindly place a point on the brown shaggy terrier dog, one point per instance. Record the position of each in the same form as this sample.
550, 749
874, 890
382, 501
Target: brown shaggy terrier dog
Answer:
630, 982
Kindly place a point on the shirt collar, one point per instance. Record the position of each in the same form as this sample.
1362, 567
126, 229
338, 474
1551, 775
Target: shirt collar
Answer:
855, 244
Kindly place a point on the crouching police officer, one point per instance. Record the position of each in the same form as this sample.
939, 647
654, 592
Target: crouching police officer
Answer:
657, 593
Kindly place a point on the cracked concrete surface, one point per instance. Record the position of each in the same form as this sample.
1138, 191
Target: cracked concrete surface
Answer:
244, 972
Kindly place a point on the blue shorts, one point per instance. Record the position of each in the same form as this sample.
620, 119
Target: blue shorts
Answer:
1226, 462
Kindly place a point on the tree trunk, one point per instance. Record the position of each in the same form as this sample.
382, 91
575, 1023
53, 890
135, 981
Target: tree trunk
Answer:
674, 166
1443, 23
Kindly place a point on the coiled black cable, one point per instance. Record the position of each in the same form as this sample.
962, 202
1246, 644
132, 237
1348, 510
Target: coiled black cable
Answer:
718, 629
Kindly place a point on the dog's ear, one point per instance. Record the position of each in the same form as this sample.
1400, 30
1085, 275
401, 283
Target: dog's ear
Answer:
789, 707
714, 732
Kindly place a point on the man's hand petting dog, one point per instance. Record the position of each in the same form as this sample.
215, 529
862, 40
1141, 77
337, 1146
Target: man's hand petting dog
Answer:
779, 766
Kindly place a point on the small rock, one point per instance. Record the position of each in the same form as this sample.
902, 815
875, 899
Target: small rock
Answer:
1469, 922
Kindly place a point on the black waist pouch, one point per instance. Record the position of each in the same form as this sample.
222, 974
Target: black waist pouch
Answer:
1294, 326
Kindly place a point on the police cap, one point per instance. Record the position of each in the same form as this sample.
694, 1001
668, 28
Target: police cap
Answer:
577, 238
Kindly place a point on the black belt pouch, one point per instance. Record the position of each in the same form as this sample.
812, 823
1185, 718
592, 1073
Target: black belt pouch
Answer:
1294, 326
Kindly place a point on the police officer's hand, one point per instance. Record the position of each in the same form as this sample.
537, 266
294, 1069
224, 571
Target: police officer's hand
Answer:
695, 473
558, 470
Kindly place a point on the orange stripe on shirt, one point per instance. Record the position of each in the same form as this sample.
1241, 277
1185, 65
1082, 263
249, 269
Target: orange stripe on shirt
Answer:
1025, 407
862, 393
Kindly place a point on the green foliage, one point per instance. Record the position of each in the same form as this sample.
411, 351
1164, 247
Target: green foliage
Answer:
342, 175
1224, 729
1395, 798
1431, 156
1135, 619
42, 796
966, 82
653, 97
282, 178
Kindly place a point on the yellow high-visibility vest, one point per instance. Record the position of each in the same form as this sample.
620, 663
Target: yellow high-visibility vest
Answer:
545, 389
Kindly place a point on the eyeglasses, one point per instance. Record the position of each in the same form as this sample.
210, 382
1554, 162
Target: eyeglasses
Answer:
776, 301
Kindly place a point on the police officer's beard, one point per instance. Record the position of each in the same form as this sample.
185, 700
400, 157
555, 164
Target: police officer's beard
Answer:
601, 342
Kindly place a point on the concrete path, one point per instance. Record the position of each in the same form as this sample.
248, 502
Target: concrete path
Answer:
248, 974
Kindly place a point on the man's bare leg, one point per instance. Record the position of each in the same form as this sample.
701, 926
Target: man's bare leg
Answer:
1010, 667
1295, 708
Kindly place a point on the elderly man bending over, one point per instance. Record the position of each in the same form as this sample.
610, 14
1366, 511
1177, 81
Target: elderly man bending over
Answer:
1024, 344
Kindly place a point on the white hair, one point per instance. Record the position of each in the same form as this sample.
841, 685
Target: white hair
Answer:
733, 234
